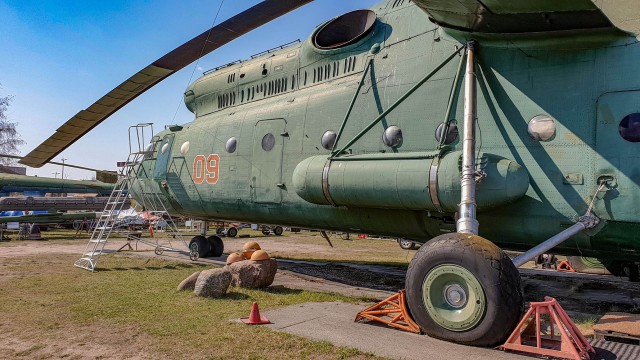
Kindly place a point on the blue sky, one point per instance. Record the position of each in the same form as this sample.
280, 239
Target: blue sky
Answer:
58, 57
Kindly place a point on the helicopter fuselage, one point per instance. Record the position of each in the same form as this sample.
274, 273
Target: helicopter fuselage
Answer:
258, 121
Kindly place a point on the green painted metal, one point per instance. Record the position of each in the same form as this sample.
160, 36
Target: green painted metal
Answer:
466, 301
20, 183
162, 159
394, 181
586, 80
266, 169
353, 101
455, 91
398, 102
49, 218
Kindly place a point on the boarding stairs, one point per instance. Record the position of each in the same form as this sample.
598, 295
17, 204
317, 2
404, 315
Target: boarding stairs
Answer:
109, 220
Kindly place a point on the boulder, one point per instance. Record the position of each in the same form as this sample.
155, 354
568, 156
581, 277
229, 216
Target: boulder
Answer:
190, 282
253, 274
212, 283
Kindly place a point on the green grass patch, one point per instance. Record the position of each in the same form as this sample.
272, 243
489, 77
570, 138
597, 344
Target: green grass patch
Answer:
49, 297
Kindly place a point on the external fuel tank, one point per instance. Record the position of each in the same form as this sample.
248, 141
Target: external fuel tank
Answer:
414, 181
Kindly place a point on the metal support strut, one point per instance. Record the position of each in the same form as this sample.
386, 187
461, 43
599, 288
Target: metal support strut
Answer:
585, 222
467, 223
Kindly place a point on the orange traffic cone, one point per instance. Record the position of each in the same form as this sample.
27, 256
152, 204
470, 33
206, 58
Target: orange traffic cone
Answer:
255, 318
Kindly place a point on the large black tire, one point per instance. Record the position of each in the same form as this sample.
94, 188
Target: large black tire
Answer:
201, 245
232, 232
498, 306
217, 246
407, 244
621, 268
278, 230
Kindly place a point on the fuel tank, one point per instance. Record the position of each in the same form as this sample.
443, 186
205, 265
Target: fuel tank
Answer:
414, 181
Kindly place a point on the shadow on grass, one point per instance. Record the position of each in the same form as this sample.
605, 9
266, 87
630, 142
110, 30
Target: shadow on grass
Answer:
143, 268
280, 290
232, 295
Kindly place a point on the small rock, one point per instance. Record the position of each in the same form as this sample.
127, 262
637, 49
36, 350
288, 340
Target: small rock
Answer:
253, 274
212, 283
189, 283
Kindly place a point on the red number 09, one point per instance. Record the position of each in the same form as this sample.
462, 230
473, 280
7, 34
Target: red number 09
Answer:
206, 169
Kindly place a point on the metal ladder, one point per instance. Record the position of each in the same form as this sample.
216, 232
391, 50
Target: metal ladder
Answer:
154, 206
108, 219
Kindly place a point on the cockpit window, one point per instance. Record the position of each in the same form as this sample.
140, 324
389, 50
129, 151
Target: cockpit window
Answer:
630, 127
344, 30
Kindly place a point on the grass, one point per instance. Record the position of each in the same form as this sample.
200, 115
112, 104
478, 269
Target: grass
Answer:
355, 250
49, 298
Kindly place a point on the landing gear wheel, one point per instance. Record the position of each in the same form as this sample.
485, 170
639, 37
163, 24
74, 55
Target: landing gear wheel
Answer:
407, 244
266, 232
621, 268
200, 245
158, 251
463, 288
278, 230
220, 231
217, 246
232, 232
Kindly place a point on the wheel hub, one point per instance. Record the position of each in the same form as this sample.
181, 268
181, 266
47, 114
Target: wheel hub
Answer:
455, 296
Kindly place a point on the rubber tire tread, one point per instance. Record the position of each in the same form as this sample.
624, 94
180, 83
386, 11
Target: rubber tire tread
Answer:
232, 232
278, 230
494, 270
204, 248
217, 246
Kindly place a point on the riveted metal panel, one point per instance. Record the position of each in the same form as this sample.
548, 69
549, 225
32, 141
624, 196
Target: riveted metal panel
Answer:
266, 167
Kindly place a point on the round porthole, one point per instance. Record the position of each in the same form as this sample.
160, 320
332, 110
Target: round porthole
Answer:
184, 149
629, 127
231, 145
392, 136
452, 133
164, 148
328, 139
542, 128
268, 142
344, 30
148, 151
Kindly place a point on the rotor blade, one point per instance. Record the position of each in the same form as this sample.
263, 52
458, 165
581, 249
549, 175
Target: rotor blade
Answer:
59, 163
185, 54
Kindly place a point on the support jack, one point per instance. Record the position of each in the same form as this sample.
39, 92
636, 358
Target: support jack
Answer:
391, 311
568, 343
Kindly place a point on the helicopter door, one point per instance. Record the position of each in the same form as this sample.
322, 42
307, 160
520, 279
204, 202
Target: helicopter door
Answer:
618, 155
162, 159
266, 169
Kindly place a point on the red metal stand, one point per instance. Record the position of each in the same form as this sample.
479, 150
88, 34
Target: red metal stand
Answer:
391, 311
568, 344
566, 266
